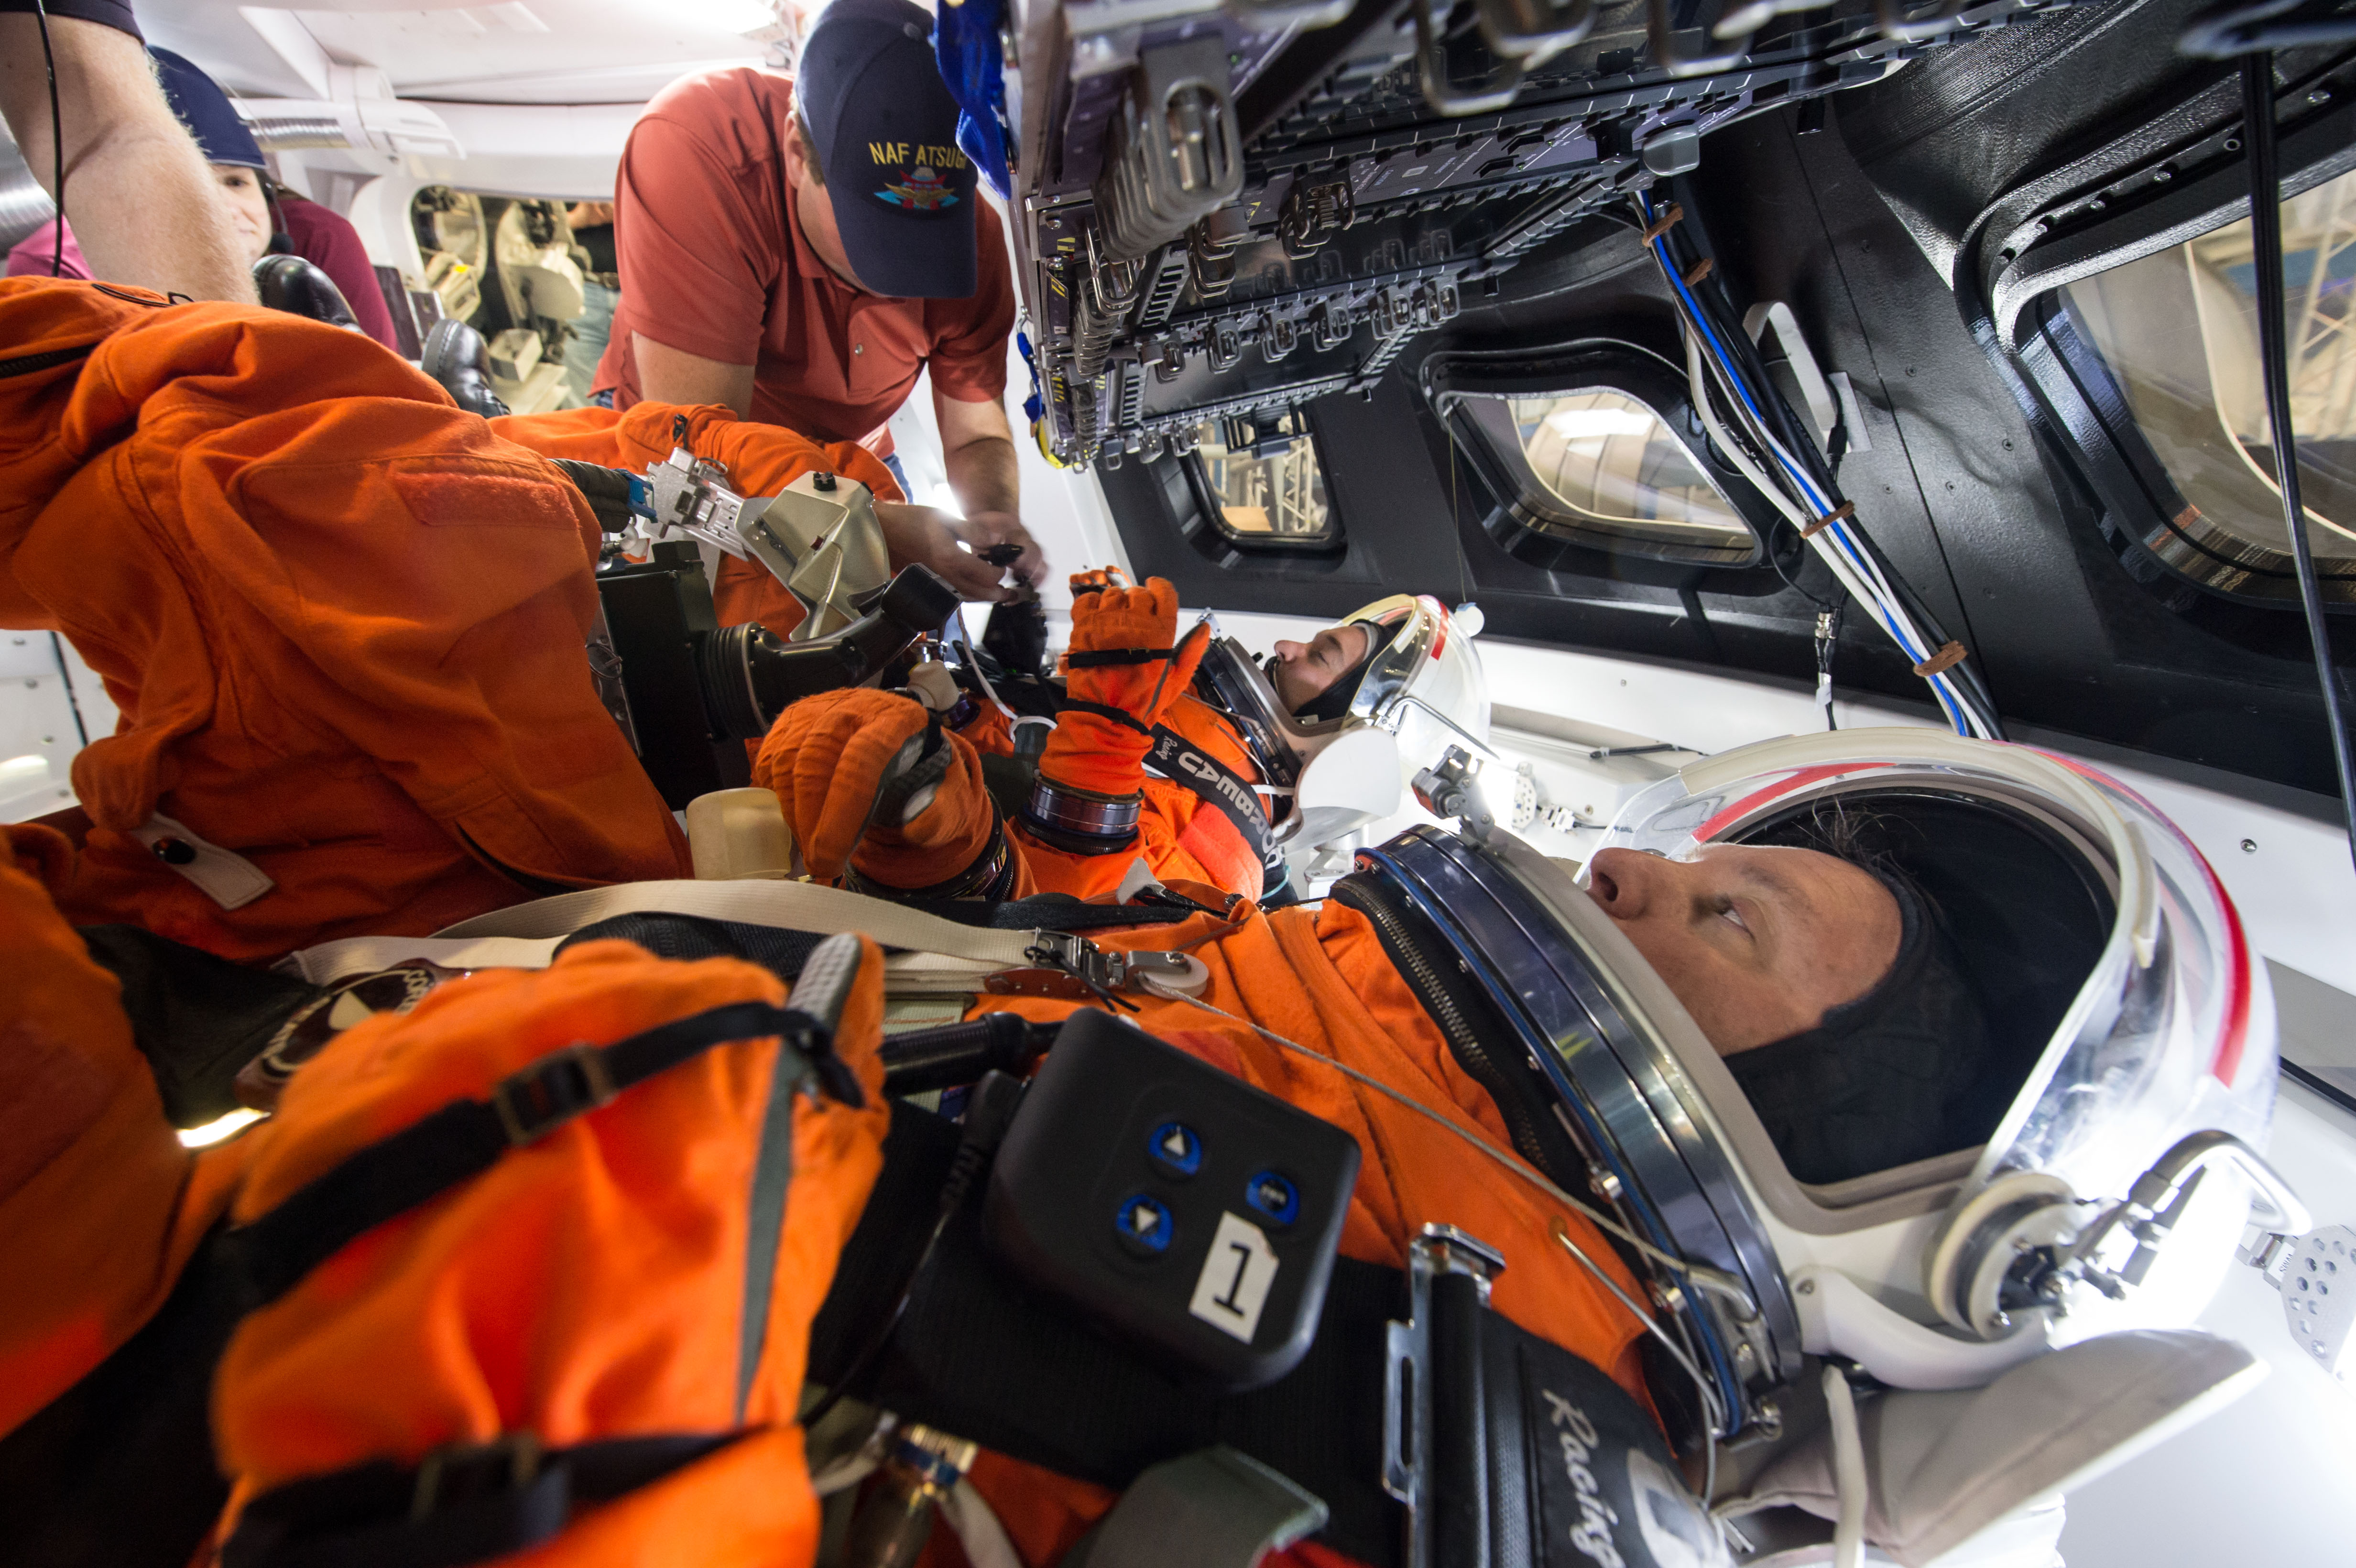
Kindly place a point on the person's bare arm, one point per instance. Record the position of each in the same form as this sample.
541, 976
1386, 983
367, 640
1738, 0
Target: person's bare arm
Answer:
927, 536
978, 449
667, 375
138, 195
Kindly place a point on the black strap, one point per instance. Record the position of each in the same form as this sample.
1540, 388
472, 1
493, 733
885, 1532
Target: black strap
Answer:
1127, 720
461, 1505
1191, 768
979, 1356
1102, 658
467, 1138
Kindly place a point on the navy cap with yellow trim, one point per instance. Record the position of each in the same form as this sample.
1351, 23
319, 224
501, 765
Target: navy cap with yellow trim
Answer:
886, 132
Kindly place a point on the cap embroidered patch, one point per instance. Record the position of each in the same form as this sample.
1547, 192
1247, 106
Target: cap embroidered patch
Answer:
922, 190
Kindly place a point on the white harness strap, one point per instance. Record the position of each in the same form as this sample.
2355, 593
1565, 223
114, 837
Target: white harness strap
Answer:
936, 956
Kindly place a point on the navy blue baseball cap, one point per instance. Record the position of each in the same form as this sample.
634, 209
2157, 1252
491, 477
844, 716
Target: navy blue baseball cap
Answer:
207, 112
886, 132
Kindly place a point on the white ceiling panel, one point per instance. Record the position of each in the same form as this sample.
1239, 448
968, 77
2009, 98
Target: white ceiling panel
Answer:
514, 51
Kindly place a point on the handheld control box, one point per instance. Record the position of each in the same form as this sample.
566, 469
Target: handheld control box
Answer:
1176, 1206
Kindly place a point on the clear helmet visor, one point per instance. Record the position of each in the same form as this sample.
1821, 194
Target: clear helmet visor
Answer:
2130, 1013
2169, 1030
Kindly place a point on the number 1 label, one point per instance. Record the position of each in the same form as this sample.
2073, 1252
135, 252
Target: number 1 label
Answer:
1232, 1286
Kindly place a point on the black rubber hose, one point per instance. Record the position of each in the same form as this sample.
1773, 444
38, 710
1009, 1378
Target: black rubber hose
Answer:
2273, 351
607, 491
955, 1055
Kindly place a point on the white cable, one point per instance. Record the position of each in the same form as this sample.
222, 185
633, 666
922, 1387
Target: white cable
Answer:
1703, 1276
1849, 1471
1856, 568
973, 661
1712, 1406
1833, 542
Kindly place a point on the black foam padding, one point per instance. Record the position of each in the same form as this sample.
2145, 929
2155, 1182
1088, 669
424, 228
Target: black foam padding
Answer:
197, 1019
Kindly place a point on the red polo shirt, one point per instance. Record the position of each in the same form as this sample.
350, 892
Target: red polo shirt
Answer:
713, 263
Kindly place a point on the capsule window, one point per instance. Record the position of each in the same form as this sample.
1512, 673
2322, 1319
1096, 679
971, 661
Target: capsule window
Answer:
2176, 334
1260, 484
1599, 467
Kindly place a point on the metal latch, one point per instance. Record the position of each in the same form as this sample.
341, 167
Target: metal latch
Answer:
1069, 965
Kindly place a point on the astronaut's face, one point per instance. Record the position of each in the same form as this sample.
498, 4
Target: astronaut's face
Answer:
1302, 671
1757, 943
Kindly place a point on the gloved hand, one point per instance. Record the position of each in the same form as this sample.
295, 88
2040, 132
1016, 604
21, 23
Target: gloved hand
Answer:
831, 757
1110, 620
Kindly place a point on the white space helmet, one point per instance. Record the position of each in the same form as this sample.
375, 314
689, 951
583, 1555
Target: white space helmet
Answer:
1419, 691
2132, 1080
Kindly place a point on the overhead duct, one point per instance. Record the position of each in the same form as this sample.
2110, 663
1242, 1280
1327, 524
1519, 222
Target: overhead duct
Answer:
360, 112
292, 128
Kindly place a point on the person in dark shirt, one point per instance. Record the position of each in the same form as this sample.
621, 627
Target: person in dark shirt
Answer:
600, 290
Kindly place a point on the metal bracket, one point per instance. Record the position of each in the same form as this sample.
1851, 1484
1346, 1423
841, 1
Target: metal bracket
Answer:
690, 500
2316, 1275
1070, 966
1407, 1366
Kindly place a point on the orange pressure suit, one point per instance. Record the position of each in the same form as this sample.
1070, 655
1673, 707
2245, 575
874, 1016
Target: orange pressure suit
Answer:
1317, 977
343, 622
827, 757
761, 460
598, 1282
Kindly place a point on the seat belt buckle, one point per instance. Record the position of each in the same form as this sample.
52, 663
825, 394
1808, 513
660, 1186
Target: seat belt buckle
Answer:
1071, 965
552, 1090
463, 1472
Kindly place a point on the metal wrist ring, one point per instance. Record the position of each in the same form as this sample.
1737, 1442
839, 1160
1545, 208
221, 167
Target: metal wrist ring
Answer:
1067, 810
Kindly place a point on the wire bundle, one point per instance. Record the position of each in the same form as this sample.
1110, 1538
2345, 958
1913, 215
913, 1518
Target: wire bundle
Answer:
1763, 443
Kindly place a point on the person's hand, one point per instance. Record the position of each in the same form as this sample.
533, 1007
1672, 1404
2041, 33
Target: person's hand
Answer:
1121, 658
588, 214
927, 536
832, 757
983, 531
1135, 628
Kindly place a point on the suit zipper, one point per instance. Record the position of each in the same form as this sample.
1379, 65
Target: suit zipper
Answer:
1474, 1058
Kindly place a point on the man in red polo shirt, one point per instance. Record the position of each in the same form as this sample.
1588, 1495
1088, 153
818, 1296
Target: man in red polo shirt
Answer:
801, 249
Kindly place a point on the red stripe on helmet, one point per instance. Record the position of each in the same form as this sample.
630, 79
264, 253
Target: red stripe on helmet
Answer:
1794, 782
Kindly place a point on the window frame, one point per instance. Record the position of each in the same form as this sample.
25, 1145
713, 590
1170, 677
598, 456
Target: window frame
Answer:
1210, 532
2131, 481
2142, 193
1450, 379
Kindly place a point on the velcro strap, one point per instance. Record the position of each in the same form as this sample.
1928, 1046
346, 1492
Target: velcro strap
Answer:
467, 1138
462, 1504
1127, 720
1099, 658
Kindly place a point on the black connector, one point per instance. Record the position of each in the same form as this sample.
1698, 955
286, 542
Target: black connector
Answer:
955, 1055
750, 675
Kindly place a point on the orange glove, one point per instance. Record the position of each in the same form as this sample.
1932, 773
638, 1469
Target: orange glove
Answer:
1100, 754
846, 764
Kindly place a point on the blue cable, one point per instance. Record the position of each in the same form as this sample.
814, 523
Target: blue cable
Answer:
1815, 496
